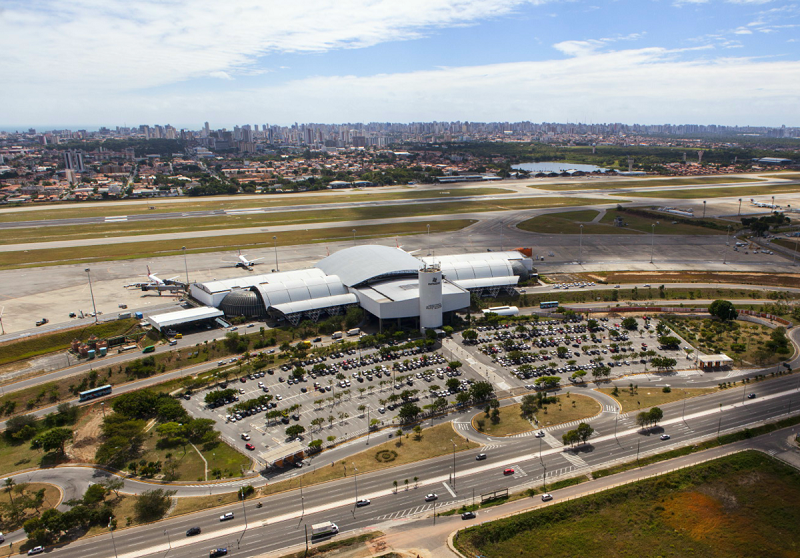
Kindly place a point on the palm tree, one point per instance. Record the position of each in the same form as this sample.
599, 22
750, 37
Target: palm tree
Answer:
416, 481
395, 487
406, 481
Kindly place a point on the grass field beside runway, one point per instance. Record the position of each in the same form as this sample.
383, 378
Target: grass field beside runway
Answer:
160, 248
114, 209
654, 181
701, 193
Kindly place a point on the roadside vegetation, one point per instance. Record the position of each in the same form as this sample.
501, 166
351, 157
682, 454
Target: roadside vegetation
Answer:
20, 502
536, 411
45, 343
740, 505
667, 277
747, 343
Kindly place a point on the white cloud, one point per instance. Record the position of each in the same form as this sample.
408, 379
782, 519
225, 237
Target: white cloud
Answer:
641, 85
590, 46
123, 44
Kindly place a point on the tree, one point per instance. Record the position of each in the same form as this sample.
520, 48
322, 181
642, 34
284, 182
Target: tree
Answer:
295, 430
470, 335
409, 412
655, 415
570, 438
723, 310
669, 341
55, 439
480, 391
584, 432
528, 406
94, 494
452, 384
663, 363
153, 504
113, 484
630, 324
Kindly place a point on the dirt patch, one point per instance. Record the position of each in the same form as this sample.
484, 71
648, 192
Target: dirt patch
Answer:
86, 438
769, 279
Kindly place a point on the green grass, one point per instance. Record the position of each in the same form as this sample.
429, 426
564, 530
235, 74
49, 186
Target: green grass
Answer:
646, 397
190, 467
435, 441
639, 182
510, 422
702, 193
58, 341
160, 248
737, 506
567, 222
665, 226
112, 208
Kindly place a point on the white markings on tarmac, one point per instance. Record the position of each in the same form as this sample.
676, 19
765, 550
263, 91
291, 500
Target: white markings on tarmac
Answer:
450, 490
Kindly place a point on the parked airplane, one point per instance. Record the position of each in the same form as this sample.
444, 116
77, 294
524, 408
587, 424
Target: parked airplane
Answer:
244, 263
155, 283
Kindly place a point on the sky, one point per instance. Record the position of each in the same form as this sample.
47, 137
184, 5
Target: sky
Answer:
88, 63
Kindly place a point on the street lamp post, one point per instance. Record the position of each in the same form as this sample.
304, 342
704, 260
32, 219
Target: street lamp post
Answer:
580, 246
355, 479
275, 242
354, 237
111, 530
704, 209
454, 463
429, 239
185, 265
740, 207
169, 542
91, 292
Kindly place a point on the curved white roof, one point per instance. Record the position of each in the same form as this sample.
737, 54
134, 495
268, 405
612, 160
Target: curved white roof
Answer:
316, 303
458, 271
299, 289
484, 282
360, 264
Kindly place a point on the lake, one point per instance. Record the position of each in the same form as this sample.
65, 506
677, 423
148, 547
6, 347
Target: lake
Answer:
556, 167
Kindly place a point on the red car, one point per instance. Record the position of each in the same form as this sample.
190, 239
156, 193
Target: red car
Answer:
251, 447
508, 472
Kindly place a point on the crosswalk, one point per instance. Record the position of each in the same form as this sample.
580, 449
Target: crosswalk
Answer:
610, 409
463, 425
489, 447
576, 460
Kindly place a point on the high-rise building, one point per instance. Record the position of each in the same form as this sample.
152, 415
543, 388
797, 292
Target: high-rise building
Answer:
73, 160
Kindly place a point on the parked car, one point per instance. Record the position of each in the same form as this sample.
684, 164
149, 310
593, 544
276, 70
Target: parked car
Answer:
35, 550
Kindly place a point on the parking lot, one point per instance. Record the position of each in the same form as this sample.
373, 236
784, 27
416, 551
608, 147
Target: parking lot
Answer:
572, 350
335, 396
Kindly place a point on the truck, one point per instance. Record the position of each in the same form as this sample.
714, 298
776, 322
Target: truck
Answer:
42, 322
354, 331
323, 529
124, 315
336, 335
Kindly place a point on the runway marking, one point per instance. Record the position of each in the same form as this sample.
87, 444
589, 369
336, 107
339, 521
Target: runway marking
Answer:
450, 490
116, 218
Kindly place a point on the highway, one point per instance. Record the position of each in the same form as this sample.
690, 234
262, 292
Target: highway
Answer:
280, 523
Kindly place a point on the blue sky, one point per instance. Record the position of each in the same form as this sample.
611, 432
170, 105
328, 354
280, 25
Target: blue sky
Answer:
114, 62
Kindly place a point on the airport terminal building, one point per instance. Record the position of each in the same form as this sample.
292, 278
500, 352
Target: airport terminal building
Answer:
389, 283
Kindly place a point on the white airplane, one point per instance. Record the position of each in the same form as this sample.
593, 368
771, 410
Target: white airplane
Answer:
156, 283
243, 262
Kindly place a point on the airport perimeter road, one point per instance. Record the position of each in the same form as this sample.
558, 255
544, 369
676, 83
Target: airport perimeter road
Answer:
280, 523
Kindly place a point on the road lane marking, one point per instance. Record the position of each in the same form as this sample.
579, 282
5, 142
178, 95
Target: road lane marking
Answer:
450, 490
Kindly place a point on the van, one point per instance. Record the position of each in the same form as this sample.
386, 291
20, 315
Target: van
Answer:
179, 336
354, 331
173, 342
336, 335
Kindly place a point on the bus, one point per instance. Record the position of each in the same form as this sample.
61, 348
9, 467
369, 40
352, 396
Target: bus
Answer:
551, 304
149, 349
95, 393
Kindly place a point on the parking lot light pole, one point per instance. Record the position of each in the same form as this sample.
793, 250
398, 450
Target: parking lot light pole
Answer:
275, 243
704, 209
580, 246
91, 292
740, 207
652, 240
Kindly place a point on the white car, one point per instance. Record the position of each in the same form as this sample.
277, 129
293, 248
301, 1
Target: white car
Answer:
363, 502
35, 550
431, 497
547, 497
226, 516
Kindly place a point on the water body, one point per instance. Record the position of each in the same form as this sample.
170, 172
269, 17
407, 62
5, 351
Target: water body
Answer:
557, 167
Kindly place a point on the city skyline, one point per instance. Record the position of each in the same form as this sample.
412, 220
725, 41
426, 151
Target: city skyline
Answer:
727, 62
